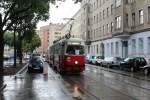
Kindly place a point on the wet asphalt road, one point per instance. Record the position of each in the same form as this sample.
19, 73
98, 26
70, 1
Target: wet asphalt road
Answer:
93, 84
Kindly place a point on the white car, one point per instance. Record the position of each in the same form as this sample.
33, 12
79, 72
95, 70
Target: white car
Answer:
112, 61
97, 60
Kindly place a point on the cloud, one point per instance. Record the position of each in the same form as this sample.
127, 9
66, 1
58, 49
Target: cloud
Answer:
60, 11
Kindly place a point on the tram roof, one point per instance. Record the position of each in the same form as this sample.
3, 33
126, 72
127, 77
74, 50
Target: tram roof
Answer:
74, 40
70, 40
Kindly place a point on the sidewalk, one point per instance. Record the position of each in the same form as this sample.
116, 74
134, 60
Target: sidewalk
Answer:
11, 70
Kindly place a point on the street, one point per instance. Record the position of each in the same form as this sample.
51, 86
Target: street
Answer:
94, 83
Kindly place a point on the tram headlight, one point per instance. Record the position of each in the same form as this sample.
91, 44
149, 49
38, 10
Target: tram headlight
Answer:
76, 62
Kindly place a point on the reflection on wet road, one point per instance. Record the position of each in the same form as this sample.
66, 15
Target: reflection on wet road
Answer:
93, 84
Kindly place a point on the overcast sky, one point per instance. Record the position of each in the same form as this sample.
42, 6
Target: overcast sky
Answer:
64, 10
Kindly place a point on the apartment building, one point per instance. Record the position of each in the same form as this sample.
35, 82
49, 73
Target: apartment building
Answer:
48, 34
43, 33
54, 32
116, 27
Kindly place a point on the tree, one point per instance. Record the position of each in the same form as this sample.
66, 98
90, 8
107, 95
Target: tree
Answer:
29, 45
13, 11
8, 38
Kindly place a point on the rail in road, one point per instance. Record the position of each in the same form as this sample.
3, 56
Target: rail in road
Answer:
123, 81
81, 89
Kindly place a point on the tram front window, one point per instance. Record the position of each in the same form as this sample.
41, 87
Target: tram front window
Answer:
75, 50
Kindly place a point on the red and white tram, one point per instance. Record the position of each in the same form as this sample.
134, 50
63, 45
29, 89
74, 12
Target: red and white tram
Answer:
67, 55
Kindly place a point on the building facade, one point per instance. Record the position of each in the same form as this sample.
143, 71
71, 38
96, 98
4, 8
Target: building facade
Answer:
116, 27
44, 35
54, 32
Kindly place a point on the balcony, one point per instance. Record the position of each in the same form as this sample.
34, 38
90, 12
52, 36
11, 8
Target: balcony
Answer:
87, 42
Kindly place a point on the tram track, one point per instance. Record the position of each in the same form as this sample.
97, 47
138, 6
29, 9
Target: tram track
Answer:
120, 73
84, 91
87, 91
128, 83
120, 82
112, 88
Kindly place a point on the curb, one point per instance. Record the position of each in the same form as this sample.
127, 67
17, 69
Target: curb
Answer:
22, 71
3, 87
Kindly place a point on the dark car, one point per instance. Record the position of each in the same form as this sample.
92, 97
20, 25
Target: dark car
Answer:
133, 63
146, 69
36, 64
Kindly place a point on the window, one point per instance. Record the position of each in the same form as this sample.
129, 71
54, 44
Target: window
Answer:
112, 26
140, 45
118, 3
103, 14
118, 22
148, 45
149, 14
88, 21
94, 19
133, 19
103, 30
126, 1
100, 16
97, 3
75, 50
111, 9
107, 12
97, 18
132, 1
107, 28
141, 17
126, 22
100, 32
94, 34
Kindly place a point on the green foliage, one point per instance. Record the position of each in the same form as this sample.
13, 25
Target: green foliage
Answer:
9, 38
29, 45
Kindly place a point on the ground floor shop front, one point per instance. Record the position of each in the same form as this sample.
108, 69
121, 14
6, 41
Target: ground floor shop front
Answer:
122, 46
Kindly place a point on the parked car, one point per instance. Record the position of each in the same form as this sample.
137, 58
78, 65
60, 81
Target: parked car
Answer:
6, 57
133, 63
35, 55
27, 57
89, 59
112, 61
35, 64
97, 60
146, 69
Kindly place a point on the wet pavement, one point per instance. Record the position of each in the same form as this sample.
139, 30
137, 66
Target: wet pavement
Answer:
93, 84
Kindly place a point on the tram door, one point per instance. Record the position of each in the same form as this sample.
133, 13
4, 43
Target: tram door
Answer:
61, 55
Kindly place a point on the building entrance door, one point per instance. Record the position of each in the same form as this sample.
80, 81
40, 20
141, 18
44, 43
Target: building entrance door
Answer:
102, 49
124, 49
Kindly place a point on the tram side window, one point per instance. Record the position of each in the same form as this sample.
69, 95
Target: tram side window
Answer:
75, 50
